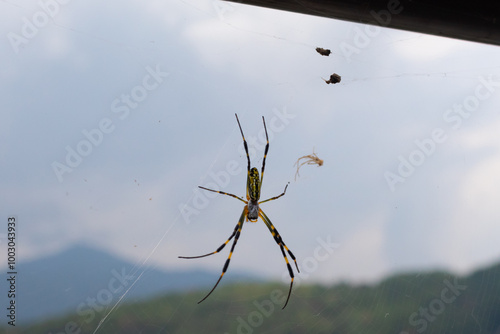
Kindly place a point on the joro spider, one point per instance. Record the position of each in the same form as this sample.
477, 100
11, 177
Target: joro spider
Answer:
252, 212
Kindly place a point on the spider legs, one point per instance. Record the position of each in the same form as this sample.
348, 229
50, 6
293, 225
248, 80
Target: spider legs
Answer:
244, 143
236, 234
283, 247
275, 197
223, 193
265, 151
221, 247
246, 148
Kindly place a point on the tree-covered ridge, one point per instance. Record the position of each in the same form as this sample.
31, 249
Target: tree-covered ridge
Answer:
435, 302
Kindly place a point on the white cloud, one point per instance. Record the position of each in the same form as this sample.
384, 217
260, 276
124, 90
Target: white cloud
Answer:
470, 230
259, 59
361, 256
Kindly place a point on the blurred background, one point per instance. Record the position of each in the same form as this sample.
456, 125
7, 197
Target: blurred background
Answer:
114, 113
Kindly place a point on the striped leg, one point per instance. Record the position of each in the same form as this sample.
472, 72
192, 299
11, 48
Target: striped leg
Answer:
265, 152
221, 247
236, 234
282, 245
275, 197
244, 143
223, 193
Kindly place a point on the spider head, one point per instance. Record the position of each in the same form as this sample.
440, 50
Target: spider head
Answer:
253, 185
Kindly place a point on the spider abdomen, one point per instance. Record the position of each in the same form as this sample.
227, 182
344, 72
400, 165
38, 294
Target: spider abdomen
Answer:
253, 211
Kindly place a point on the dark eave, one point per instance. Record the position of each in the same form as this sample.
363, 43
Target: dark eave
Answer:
468, 20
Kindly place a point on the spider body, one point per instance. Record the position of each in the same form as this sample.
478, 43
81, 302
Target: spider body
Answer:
252, 212
253, 195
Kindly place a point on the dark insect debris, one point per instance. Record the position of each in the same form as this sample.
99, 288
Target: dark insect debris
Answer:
334, 78
323, 52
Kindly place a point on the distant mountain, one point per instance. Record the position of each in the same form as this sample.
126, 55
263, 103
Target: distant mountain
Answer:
411, 303
81, 278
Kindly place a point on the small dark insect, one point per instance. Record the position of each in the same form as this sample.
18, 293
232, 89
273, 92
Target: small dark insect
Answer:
323, 52
334, 78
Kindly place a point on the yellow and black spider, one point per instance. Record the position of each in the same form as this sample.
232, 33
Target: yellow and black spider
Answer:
252, 212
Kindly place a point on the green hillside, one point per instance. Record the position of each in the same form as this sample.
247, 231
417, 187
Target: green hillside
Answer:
411, 303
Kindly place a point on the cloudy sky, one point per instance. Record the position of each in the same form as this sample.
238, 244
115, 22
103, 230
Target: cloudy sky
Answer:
112, 115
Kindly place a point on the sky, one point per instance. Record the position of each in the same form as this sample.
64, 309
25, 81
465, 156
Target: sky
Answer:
114, 113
